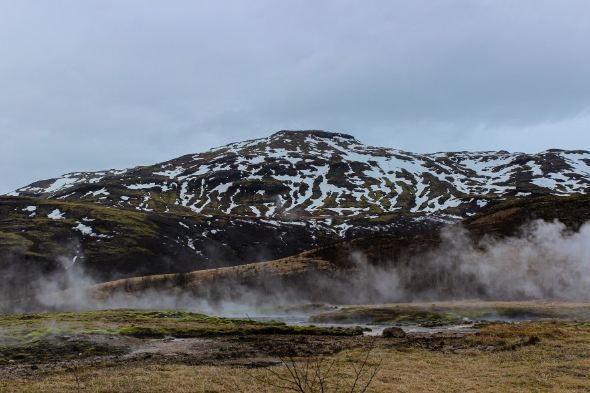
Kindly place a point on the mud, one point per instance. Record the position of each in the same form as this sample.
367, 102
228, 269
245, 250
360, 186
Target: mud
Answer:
90, 350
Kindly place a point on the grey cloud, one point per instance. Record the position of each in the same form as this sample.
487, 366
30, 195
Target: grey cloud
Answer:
98, 84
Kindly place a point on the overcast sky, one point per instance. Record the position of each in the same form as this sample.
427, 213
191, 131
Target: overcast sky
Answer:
89, 85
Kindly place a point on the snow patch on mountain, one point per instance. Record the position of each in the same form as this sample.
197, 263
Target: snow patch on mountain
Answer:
316, 175
56, 215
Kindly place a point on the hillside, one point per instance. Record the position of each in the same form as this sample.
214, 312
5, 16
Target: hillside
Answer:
332, 273
42, 240
268, 199
322, 175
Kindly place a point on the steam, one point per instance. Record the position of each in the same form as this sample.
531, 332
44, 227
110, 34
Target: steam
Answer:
545, 261
32, 285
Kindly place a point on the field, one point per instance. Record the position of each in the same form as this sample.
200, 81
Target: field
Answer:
545, 348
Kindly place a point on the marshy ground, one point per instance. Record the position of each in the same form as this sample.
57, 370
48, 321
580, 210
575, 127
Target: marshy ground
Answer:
544, 347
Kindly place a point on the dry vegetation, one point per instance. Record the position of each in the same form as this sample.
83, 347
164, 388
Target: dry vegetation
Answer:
542, 356
444, 313
197, 280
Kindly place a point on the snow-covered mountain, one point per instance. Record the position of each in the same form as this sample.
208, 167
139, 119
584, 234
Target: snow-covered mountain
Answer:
271, 198
321, 175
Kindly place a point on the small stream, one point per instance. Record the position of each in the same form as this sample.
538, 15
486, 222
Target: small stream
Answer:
490, 313
371, 329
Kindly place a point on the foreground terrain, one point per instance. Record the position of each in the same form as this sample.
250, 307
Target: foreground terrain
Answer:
176, 351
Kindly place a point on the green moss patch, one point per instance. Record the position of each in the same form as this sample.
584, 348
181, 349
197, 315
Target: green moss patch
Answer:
31, 328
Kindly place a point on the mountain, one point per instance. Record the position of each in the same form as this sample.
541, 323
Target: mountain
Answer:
321, 176
259, 200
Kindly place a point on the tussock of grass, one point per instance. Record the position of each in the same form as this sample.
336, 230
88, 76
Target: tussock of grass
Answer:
28, 328
446, 313
388, 315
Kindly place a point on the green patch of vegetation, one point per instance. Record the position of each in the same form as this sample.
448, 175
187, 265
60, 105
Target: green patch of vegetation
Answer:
237, 329
405, 199
30, 328
59, 336
10, 240
452, 313
41, 234
510, 214
388, 315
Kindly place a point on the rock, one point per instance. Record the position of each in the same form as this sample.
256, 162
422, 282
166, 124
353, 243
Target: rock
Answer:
393, 332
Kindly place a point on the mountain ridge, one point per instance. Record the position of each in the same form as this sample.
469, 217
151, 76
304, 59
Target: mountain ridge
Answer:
261, 200
316, 174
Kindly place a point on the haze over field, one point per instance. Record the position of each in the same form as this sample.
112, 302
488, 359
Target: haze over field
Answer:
544, 262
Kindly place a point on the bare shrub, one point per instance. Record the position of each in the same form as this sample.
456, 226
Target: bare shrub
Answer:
320, 375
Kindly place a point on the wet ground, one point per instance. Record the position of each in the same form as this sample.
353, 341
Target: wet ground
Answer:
59, 353
241, 343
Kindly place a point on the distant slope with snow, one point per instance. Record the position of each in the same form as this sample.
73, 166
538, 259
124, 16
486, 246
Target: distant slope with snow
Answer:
261, 200
322, 176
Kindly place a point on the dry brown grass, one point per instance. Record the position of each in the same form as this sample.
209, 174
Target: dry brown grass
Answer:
451, 312
560, 362
289, 266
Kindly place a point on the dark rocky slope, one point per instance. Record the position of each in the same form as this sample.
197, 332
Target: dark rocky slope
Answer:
332, 273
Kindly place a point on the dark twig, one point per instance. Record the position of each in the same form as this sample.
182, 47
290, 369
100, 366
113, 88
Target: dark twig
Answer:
316, 375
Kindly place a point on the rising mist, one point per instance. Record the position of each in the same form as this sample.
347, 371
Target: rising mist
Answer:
545, 261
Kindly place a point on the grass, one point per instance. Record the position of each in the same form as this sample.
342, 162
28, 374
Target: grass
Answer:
29, 328
386, 315
445, 313
559, 361
54, 337
211, 278
38, 236
507, 216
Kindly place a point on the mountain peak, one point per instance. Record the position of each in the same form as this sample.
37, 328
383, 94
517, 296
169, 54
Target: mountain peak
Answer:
320, 175
305, 133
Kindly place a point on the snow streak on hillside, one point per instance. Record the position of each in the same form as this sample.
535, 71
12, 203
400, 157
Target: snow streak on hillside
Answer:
316, 174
